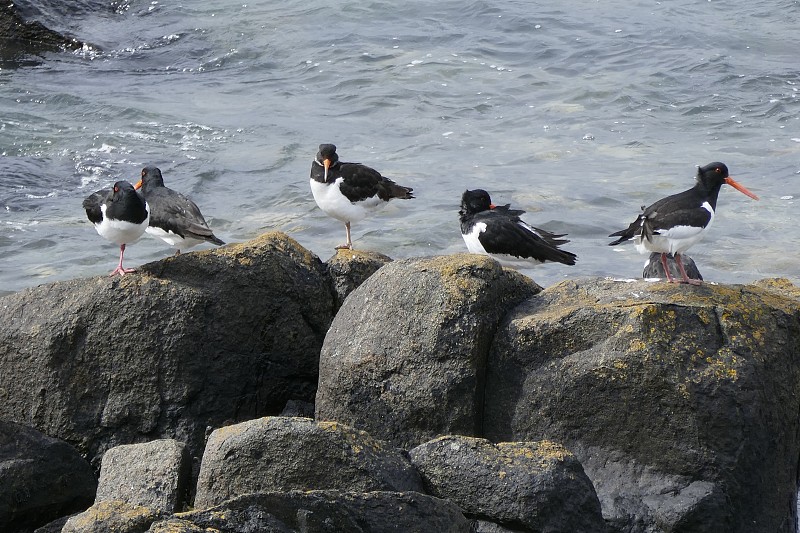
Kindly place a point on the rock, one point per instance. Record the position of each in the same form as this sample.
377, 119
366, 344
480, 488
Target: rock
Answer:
350, 268
296, 408
280, 454
535, 486
671, 396
21, 38
405, 356
327, 512
41, 478
175, 525
195, 340
654, 269
155, 474
112, 516
53, 527
484, 526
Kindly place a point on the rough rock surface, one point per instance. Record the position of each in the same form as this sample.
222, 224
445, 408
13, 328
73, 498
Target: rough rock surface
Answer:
534, 486
112, 516
155, 474
404, 358
680, 401
41, 478
196, 340
653, 268
350, 268
280, 454
327, 512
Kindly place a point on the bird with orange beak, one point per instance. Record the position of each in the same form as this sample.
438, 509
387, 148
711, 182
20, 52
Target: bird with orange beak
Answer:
675, 223
349, 192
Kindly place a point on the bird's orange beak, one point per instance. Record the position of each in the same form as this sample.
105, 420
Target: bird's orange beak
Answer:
492, 206
741, 188
327, 164
138, 185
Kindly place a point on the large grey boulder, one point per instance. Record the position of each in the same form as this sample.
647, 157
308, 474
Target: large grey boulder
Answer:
533, 486
405, 356
325, 512
281, 454
41, 478
680, 401
196, 340
154, 474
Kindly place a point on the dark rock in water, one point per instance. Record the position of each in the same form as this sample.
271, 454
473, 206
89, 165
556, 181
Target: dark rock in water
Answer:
196, 340
41, 478
21, 38
154, 474
536, 486
350, 268
404, 358
680, 402
655, 269
325, 512
281, 454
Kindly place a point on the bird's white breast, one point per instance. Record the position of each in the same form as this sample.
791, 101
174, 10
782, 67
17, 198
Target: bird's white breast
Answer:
120, 231
331, 200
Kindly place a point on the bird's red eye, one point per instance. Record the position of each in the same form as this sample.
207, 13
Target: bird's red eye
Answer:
116, 189
718, 170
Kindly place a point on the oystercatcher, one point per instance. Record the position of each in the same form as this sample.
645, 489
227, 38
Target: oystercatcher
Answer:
119, 215
498, 232
350, 191
174, 218
675, 223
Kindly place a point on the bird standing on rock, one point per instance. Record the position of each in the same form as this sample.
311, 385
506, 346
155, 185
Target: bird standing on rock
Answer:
174, 218
120, 215
497, 231
350, 191
675, 223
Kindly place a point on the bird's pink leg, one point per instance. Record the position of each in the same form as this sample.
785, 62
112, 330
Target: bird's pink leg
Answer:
666, 268
686, 278
120, 269
349, 244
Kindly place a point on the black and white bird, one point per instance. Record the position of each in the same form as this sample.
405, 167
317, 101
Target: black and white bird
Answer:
497, 231
674, 224
120, 215
350, 191
174, 218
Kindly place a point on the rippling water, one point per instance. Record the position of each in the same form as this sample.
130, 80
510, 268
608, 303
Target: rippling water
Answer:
577, 113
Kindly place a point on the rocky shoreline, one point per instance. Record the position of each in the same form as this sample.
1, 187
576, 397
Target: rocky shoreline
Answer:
256, 388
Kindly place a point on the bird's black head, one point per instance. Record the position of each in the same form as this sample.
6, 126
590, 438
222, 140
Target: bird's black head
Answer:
712, 175
475, 201
151, 178
120, 189
327, 152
